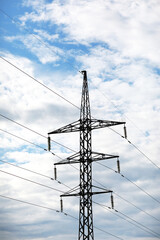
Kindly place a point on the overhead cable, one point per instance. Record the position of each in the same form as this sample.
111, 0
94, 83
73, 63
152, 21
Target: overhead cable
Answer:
35, 132
131, 182
135, 148
37, 205
36, 145
40, 174
35, 172
34, 182
128, 201
93, 179
134, 222
62, 96
52, 209
63, 192
79, 109
137, 207
17, 23
42, 84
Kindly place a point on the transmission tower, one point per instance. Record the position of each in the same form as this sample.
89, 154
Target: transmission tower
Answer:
85, 157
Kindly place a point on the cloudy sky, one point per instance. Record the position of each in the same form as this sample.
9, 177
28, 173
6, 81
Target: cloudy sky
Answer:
117, 42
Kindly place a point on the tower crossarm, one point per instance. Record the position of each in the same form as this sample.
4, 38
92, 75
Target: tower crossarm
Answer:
103, 190
96, 123
87, 193
72, 127
76, 126
73, 192
75, 158
102, 156
72, 159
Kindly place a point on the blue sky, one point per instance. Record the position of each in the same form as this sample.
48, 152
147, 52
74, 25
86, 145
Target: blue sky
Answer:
117, 42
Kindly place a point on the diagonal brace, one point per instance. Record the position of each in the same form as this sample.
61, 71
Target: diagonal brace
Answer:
72, 127
96, 123
75, 158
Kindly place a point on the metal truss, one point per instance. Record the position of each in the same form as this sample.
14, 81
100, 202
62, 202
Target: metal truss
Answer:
85, 157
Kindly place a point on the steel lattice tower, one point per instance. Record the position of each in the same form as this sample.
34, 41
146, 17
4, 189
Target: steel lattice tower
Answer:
85, 157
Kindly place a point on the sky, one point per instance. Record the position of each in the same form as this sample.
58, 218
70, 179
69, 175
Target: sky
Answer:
117, 43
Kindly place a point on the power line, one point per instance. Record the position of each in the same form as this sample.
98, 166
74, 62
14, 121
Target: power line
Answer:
127, 139
55, 210
42, 42
140, 225
70, 188
145, 156
14, 165
142, 189
115, 212
137, 207
75, 151
37, 205
36, 145
37, 183
74, 168
93, 201
17, 23
62, 96
108, 233
57, 181
135, 148
35, 132
31, 170
79, 109
40, 174
39, 82
28, 169
122, 197
128, 201
26, 179
131, 182
56, 189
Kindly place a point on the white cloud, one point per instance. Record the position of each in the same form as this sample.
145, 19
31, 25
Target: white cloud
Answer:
31, 106
43, 51
121, 42
45, 35
129, 27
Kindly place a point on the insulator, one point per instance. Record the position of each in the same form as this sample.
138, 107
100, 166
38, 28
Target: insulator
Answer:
55, 173
118, 165
49, 143
112, 202
125, 132
61, 204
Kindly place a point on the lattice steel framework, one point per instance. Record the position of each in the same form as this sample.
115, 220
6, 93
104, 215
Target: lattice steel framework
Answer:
85, 157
